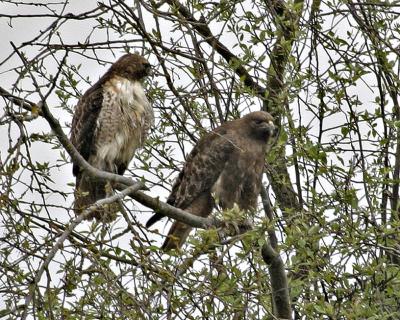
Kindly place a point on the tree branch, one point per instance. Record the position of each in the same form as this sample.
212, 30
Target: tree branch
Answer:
286, 22
65, 235
276, 267
279, 283
203, 29
121, 181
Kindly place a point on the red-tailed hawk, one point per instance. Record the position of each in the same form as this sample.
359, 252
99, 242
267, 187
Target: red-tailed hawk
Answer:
227, 163
110, 122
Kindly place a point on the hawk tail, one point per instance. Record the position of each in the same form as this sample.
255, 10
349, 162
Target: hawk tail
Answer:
153, 219
87, 192
176, 236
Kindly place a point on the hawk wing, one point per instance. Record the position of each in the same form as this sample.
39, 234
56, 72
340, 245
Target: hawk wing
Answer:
84, 123
202, 169
110, 122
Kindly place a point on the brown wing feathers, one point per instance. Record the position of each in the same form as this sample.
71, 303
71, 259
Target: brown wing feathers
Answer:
107, 127
201, 170
85, 124
229, 162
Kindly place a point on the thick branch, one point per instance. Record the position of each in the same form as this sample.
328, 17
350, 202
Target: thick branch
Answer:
123, 182
279, 283
276, 268
175, 213
270, 215
24, 104
203, 29
286, 22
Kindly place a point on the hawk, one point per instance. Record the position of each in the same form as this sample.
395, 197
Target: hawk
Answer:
110, 122
228, 163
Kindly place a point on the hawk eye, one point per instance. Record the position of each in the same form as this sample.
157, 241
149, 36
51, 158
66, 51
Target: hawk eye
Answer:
258, 121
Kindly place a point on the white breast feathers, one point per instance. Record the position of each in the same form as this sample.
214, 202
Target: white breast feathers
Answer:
125, 118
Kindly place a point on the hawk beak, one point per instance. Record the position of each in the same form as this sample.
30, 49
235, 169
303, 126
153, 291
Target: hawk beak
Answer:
149, 69
274, 129
270, 128
276, 132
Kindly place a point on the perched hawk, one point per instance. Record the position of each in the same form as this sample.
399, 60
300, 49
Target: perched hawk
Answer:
110, 122
227, 163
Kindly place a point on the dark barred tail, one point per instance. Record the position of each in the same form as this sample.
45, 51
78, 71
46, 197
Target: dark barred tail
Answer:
87, 192
176, 236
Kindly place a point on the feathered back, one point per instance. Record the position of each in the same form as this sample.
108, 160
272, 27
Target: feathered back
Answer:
227, 162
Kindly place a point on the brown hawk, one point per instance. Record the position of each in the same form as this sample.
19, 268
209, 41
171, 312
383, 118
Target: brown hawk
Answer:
228, 163
110, 122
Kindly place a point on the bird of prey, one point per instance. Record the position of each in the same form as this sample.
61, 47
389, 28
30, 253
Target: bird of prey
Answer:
227, 165
111, 120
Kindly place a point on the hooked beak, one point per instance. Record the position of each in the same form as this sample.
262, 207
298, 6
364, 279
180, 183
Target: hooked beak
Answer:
275, 132
148, 69
270, 129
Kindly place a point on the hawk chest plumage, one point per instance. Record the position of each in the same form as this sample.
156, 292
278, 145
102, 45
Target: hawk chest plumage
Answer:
226, 164
123, 122
111, 120
240, 179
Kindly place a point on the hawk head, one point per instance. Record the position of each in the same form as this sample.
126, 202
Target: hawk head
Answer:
131, 66
261, 125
